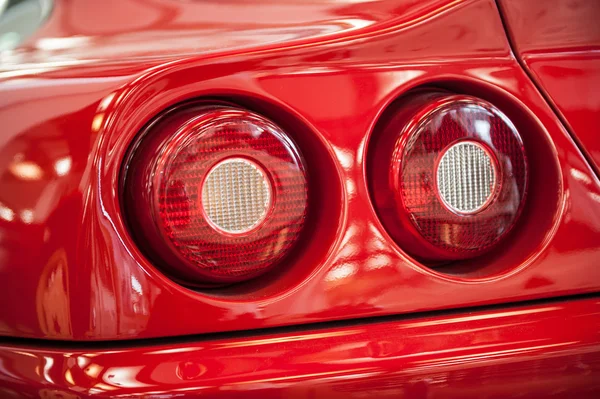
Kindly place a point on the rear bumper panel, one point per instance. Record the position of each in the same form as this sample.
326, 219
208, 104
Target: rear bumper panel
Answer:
542, 350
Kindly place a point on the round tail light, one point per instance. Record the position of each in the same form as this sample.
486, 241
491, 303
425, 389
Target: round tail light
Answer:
215, 194
456, 176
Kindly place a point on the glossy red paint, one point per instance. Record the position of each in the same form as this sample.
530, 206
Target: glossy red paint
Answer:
83, 32
558, 41
543, 351
69, 269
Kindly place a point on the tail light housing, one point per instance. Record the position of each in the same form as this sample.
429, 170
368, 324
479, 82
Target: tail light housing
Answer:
449, 176
215, 194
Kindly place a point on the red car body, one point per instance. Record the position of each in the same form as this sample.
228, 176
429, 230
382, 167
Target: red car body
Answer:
83, 313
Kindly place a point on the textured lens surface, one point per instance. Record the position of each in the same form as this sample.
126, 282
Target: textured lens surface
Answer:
224, 194
466, 177
236, 195
464, 205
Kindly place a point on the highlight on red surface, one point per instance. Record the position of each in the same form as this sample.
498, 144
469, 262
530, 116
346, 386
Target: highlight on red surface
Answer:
215, 194
457, 177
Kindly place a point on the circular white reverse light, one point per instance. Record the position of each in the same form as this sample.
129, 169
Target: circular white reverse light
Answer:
236, 196
466, 177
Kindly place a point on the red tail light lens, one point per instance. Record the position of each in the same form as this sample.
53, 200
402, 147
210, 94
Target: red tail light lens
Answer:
457, 177
215, 194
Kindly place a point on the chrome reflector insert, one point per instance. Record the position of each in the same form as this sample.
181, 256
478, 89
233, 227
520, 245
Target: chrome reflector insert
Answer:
466, 177
236, 195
